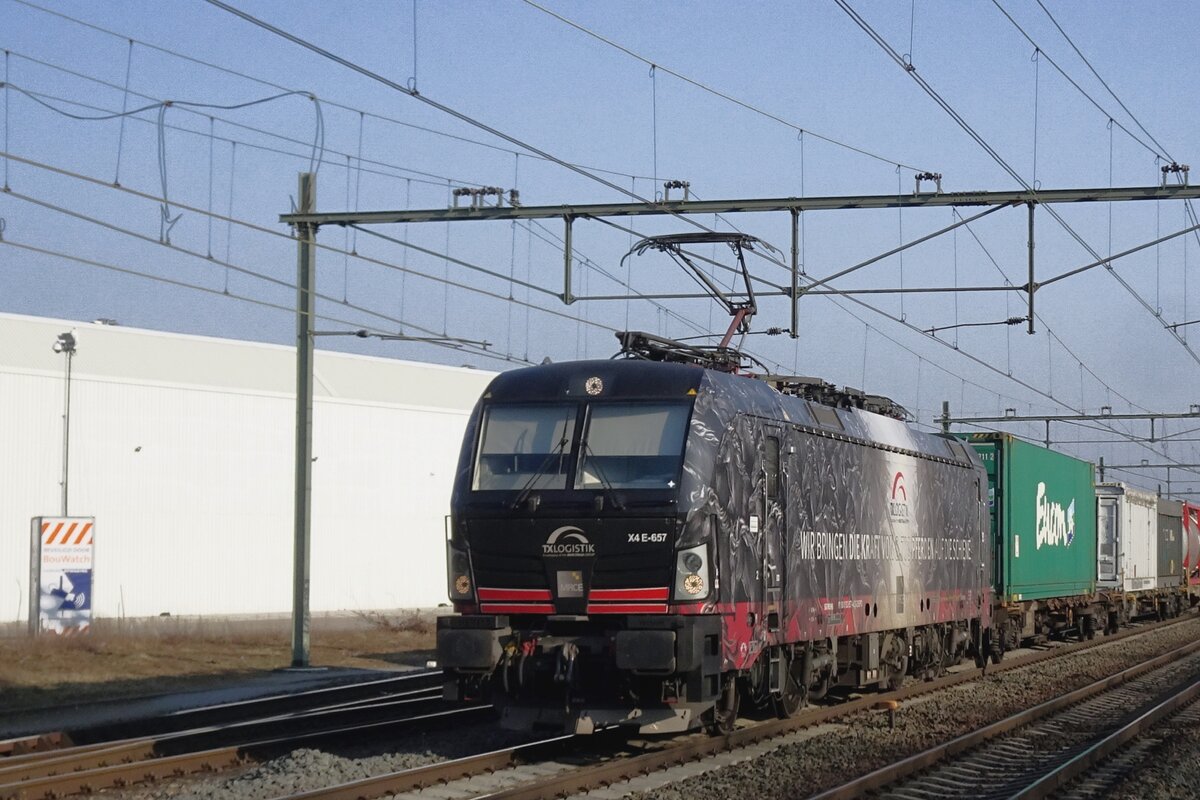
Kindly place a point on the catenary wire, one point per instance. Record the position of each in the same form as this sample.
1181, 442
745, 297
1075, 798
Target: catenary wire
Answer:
716, 92
279, 234
209, 260
430, 178
962, 123
262, 81
445, 109
1079, 88
1191, 210
209, 290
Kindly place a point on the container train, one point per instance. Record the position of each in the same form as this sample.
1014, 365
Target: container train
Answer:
645, 543
1074, 557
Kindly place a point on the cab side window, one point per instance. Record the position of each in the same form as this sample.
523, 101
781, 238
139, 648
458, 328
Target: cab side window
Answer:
772, 467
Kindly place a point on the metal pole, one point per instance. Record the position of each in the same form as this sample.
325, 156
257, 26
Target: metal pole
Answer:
1031, 287
306, 266
1047, 434
567, 256
795, 271
66, 459
1101, 465
946, 416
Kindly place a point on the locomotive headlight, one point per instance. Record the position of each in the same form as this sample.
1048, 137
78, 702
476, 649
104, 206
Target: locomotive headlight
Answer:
458, 570
691, 573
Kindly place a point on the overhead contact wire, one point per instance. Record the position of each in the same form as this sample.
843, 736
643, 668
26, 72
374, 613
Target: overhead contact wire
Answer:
716, 92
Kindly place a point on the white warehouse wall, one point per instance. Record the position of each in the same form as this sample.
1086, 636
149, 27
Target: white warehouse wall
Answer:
182, 448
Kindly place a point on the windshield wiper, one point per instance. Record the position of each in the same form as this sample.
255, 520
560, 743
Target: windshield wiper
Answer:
528, 487
609, 490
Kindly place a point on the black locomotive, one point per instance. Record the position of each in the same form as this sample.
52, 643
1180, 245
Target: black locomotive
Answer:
640, 542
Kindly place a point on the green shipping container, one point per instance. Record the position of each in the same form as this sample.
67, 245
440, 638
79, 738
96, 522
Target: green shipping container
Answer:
1043, 509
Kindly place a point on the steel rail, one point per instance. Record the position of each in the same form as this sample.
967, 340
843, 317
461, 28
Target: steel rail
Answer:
1066, 773
215, 714
145, 766
893, 773
20, 745
101, 754
591, 777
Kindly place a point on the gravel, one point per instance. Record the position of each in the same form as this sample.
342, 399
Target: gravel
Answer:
1170, 770
863, 742
307, 769
803, 763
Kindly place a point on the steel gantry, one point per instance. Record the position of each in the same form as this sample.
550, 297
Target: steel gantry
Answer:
945, 420
306, 222
794, 206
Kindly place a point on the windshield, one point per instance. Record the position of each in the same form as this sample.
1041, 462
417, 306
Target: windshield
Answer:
632, 446
525, 447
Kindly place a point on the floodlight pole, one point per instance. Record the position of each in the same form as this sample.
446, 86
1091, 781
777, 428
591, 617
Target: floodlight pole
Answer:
66, 345
306, 268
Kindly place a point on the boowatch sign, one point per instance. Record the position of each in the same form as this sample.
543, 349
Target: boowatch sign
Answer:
61, 563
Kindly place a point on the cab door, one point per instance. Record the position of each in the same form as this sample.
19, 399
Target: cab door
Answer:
774, 529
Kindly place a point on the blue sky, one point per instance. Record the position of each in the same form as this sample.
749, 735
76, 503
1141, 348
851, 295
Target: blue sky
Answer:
520, 70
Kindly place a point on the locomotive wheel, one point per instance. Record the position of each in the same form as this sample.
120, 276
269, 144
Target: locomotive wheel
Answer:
984, 648
795, 688
725, 712
894, 653
935, 665
997, 649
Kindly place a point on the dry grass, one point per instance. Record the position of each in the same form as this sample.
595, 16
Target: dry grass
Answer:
124, 659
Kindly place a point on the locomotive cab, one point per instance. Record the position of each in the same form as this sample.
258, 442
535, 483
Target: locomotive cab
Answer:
564, 560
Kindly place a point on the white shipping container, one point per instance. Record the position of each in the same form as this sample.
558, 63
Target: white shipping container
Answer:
1128, 518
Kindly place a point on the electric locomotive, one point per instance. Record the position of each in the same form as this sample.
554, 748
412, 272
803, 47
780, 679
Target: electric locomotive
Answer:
647, 542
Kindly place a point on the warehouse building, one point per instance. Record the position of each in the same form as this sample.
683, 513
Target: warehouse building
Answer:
181, 447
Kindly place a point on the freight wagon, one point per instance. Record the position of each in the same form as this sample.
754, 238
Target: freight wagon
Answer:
643, 543
1129, 533
1170, 544
1191, 544
1043, 531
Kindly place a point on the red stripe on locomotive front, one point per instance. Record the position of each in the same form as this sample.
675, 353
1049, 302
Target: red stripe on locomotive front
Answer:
513, 594
658, 593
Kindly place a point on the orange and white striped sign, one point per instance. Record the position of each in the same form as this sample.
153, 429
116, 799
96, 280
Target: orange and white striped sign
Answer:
67, 531
61, 569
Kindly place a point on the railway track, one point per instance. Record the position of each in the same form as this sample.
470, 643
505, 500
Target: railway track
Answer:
222, 713
1046, 749
563, 766
557, 766
227, 736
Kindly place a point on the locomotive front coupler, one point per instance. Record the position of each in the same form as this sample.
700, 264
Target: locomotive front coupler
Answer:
566, 657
